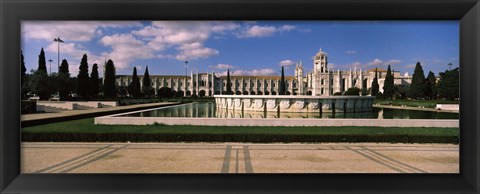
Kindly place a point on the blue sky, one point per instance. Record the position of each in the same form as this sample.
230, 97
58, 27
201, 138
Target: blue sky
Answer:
245, 47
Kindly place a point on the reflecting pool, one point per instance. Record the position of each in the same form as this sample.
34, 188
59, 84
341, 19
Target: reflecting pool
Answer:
209, 110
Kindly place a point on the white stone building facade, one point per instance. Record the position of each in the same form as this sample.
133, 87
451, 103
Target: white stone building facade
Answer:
320, 81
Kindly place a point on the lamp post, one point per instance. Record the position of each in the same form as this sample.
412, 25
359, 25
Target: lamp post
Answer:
186, 67
50, 60
58, 40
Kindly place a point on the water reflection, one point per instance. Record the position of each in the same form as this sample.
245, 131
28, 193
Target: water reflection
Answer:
209, 110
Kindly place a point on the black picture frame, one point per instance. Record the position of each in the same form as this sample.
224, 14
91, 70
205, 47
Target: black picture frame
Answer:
12, 12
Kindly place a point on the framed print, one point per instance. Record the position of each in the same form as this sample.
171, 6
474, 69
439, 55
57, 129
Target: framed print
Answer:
304, 96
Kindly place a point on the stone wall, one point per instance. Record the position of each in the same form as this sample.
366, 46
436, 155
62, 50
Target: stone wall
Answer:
295, 103
112, 120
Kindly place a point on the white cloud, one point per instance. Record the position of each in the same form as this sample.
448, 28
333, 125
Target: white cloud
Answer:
255, 72
375, 62
392, 62
125, 48
223, 66
287, 27
286, 63
188, 37
195, 51
351, 52
73, 52
69, 30
257, 31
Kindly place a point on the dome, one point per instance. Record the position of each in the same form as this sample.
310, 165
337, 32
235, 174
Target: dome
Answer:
320, 55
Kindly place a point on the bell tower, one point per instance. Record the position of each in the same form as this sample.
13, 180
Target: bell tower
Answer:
320, 62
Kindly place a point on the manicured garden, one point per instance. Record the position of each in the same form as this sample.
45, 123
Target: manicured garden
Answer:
84, 130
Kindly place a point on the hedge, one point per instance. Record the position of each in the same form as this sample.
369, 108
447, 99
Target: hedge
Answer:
29, 107
253, 138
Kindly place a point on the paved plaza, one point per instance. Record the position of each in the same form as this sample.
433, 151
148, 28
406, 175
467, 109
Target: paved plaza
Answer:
238, 158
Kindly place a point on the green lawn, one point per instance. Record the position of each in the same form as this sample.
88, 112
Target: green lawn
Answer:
413, 103
87, 126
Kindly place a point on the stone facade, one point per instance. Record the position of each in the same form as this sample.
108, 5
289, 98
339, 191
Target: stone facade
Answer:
317, 104
320, 81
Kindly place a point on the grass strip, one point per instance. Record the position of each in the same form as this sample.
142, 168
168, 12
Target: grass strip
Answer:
413, 103
84, 130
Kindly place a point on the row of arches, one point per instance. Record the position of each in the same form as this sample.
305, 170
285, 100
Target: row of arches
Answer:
168, 92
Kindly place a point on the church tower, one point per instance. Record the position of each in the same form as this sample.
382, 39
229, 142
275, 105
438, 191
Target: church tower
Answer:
299, 77
320, 62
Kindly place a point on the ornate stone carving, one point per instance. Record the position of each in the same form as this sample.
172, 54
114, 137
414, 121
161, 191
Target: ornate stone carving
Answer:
271, 104
314, 105
285, 104
299, 104
247, 103
259, 103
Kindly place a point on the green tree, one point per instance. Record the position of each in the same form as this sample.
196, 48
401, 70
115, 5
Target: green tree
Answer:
417, 87
122, 91
431, 86
134, 87
38, 83
448, 85
82, 78
24, 77
63, 80
164, 92
24, 69
229, 84
400, 91
109, 89
42, 64
354, 91
147, 84
94, 81
388, 85
375, 85
282, 89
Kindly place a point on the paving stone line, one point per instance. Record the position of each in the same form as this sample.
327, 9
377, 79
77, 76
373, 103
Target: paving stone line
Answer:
78, 161
93, 160
226, 160
248, 160
399, 163
73, 159
236, 161
375, 160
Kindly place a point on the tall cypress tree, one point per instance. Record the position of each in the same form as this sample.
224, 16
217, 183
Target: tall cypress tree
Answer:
229, 85
388, 86
42, 64
448, 85
64, 67
431, 86
39, 80
375, 85
24, 69
82, 78
63, 79
94, 81
109, 89
134, 87
147, 84
417, 87
24, 77
282, 83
